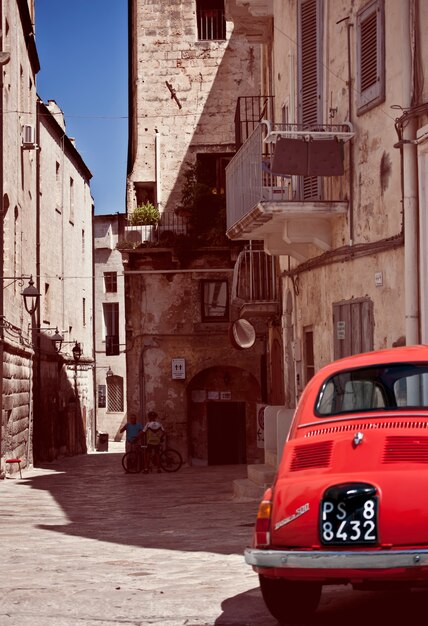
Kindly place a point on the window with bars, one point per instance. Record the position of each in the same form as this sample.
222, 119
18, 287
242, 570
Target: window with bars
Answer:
115, 394
370, 56
210, 19
110, 282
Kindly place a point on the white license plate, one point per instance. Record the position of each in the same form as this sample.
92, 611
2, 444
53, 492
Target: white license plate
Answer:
349, 521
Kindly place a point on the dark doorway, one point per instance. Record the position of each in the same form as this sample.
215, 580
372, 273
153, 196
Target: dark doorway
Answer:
226, 433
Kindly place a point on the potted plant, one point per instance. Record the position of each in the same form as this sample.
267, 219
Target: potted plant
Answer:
144, 215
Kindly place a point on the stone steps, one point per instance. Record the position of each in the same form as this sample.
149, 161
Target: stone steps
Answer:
260, 476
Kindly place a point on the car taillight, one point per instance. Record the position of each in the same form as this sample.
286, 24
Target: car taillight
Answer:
262, 529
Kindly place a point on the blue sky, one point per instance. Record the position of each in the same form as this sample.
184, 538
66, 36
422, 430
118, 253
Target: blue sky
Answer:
83, 52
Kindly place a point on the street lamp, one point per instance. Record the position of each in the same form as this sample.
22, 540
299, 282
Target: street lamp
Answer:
77, 352
31, 297
57, 340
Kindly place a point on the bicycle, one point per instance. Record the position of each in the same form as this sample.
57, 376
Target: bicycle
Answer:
133, 462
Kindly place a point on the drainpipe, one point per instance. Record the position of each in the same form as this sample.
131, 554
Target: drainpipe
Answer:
4, 58
351, 143
410, 190
157, 169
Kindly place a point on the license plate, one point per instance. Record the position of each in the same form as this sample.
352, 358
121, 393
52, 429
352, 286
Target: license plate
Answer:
349, 521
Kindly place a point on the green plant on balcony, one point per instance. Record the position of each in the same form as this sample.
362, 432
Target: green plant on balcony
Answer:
203, 205
144, 215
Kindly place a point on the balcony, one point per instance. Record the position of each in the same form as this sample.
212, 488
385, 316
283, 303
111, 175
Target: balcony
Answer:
280, 188
169, 226
254, 285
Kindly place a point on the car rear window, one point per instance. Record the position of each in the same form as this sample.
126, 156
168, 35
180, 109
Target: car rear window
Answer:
381, 387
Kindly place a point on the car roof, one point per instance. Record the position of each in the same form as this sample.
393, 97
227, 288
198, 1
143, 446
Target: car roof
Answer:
402, 354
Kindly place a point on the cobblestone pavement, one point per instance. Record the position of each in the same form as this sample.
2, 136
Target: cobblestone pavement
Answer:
84, 544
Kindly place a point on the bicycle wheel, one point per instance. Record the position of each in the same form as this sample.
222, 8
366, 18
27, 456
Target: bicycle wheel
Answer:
170, 460
131, 462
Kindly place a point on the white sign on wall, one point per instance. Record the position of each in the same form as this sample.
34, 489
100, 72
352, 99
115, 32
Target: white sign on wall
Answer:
178, 368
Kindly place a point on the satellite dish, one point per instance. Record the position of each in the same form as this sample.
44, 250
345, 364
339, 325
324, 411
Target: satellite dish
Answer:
242, 334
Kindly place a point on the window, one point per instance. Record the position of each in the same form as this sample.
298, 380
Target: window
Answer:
110, 282
83, 241
370, 56
58, 187
383, 387
102, 396
210, 18
309, 354
84, 311
111, 325
209, 192
47, 305
115, 394
71, 212
215, 301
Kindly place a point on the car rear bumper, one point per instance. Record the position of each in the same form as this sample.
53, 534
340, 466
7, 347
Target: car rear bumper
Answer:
337, 560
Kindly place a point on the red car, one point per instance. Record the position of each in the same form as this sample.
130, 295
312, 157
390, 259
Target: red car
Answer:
349, 503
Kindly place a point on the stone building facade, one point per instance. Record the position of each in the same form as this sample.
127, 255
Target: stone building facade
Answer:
110, 340
64, 412
350, 233
47, 399
189, 64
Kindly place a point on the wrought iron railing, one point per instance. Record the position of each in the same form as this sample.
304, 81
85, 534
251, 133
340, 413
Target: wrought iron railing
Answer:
254, 278
250, 111
169, 226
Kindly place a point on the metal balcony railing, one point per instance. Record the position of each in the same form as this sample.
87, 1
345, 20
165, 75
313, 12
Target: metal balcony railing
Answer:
169, 224
249, 176
250, 111
254, 278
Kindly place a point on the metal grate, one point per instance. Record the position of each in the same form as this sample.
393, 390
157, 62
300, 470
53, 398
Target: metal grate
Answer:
381, 425
115, 394
406, 450
311, 455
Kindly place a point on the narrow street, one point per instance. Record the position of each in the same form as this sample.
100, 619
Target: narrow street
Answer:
85, 544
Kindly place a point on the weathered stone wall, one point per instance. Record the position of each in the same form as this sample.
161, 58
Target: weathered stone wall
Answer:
164, 323
17, 396
207, 78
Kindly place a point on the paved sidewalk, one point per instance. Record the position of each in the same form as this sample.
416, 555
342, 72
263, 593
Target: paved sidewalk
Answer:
83, 543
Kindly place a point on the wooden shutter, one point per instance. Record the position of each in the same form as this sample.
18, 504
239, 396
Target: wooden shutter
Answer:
309, 36
370, 56
352, 327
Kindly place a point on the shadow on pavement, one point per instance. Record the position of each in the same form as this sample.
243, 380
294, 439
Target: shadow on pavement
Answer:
245, 609
342, 604
190, 510
339, 605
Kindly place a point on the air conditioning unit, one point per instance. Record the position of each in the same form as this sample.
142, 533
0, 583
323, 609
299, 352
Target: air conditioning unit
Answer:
28, 135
